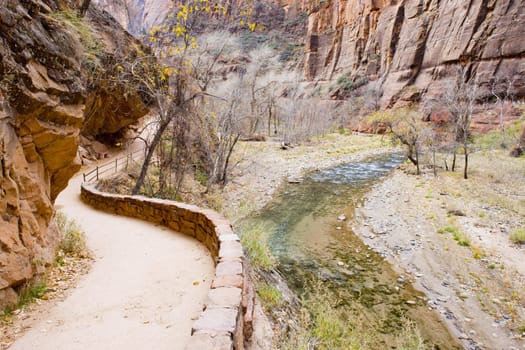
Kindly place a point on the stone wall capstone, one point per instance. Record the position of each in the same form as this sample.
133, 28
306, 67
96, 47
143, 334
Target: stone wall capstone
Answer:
221, 324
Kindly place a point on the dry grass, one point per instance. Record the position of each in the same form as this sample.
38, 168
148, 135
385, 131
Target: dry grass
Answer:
518, 235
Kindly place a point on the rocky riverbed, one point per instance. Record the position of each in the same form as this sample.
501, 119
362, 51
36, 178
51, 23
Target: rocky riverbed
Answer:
451, 238
477, 287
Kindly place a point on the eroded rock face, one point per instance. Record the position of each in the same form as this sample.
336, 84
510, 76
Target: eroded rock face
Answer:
42, 109
137, 16
419, 42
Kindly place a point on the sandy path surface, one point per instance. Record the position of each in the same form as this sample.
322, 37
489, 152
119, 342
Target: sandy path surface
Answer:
146, 286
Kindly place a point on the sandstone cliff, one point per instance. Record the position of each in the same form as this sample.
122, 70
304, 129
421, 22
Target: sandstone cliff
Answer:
137, 16
415, 42
43, 93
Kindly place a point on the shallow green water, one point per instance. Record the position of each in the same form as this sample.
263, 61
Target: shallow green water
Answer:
316, 251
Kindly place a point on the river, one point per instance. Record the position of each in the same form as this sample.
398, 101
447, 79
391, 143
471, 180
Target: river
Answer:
323, 261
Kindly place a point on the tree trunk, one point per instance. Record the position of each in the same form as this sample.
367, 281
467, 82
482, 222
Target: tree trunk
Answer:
151, 150
84, 8
434, 162
466, 164
227, 161
502, 127
417, 163
454, 160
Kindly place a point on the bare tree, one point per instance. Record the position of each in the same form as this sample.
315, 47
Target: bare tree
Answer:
501, 90
220, 127
84, 7
431, 141
175, 85
407, 128
459, 99
372, 95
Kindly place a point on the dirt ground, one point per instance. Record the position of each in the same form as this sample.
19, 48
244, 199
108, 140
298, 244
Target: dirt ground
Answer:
478, 288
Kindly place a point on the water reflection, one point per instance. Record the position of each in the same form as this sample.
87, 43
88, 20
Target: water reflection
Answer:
315, 248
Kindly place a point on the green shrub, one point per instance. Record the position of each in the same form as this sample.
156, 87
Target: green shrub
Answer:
255, 240
518, 235
200, 176
270, 296
72, 238
460, 237
26, 295
30, 292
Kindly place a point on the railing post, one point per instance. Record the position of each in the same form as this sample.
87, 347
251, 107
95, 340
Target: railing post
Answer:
84, 176
97, 172
116, 165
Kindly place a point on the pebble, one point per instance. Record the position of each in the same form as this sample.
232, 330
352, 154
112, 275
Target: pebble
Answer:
411, 302
341, 217
338, 228
340, 263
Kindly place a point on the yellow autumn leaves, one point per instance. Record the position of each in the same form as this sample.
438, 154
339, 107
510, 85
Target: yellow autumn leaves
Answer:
183, 15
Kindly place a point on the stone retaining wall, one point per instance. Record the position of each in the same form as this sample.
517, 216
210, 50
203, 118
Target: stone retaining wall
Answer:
226, 321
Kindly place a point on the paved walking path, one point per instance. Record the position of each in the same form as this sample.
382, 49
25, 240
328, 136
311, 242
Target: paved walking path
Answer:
146, 286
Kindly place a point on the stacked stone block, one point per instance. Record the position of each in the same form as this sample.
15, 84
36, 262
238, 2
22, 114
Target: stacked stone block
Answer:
229, 305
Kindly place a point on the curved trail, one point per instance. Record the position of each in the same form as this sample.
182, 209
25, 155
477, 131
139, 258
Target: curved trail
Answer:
145, 287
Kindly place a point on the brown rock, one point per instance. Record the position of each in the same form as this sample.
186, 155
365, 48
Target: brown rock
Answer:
231, 250
42, 109
228, 268
419, 42
216, 321
224, 297
227, 281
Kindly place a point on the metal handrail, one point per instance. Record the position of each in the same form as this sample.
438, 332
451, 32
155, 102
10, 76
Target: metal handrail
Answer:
114, 166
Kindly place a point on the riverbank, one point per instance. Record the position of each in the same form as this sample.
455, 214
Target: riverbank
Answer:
260, 170
261, 167
477, 286
451, 238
